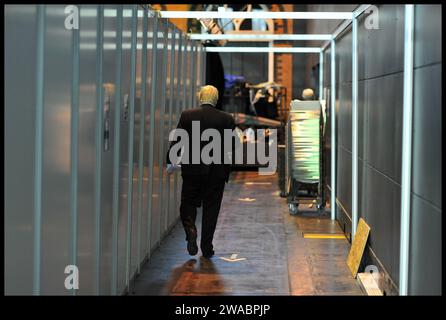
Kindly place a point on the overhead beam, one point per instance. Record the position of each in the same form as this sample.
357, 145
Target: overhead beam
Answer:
259, 36
264, 49
256, 15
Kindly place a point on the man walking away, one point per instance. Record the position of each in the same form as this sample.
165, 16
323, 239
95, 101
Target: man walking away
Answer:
203, 184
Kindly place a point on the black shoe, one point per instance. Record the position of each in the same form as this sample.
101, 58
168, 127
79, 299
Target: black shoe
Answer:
208, 254
192, 247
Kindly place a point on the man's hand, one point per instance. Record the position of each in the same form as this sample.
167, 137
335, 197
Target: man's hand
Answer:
172, 167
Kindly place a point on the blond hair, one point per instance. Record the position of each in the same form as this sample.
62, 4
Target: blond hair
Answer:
208, 95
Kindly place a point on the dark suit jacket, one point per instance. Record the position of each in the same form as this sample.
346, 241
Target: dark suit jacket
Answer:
209, 117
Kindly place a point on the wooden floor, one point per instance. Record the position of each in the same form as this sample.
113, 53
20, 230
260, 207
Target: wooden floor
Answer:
269, 254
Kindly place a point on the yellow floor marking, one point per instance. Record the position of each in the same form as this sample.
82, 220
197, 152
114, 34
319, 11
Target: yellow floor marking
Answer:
324, 235
259, 183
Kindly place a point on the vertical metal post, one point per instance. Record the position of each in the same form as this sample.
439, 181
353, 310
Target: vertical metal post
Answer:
153, 100
333, 129
169, 126
142, 123
162, 128
354, 125
130, 146
74, 145
178, 110
116, 149
406, 167
99, 133
40, 80
321, 75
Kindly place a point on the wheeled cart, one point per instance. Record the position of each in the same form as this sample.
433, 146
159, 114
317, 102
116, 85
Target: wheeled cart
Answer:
304, 154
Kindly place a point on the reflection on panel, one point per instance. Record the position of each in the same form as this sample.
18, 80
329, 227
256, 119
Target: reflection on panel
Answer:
107, 149
123, 145
86, 160
56, 175
19, 147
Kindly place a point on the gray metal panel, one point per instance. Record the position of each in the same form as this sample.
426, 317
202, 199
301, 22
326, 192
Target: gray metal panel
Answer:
178, 104
159, 78
382, 213
344, 56
141, 227
56, 179
108, 78
385, 45
425, 270
363, 38
427, 34
165, 131
131, 161
427, 144
20, 70
134, 255
86, 161
117, 151
148, 83
327, 68
173, 55
385, 124
125, 126
362, 120
344, 178
362, 197
344, 115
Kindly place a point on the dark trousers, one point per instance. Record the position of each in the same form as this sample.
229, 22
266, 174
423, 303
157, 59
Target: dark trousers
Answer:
200, 190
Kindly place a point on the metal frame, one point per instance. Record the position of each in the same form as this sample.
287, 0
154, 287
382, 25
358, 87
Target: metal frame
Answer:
116, 155
321, 76
259, 37
161, 154
171, 98
355, 157
406, 167
265, 49
256, 15
134, 26
74, 144
98, 142
152, 133
38, 158
142, 123
177, 109
333, 129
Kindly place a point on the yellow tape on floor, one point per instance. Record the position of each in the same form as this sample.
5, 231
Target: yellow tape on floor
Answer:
324, 235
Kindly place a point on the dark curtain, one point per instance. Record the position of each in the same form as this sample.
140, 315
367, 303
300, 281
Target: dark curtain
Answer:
215, 75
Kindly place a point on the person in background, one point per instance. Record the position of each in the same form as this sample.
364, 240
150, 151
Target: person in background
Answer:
308, 94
